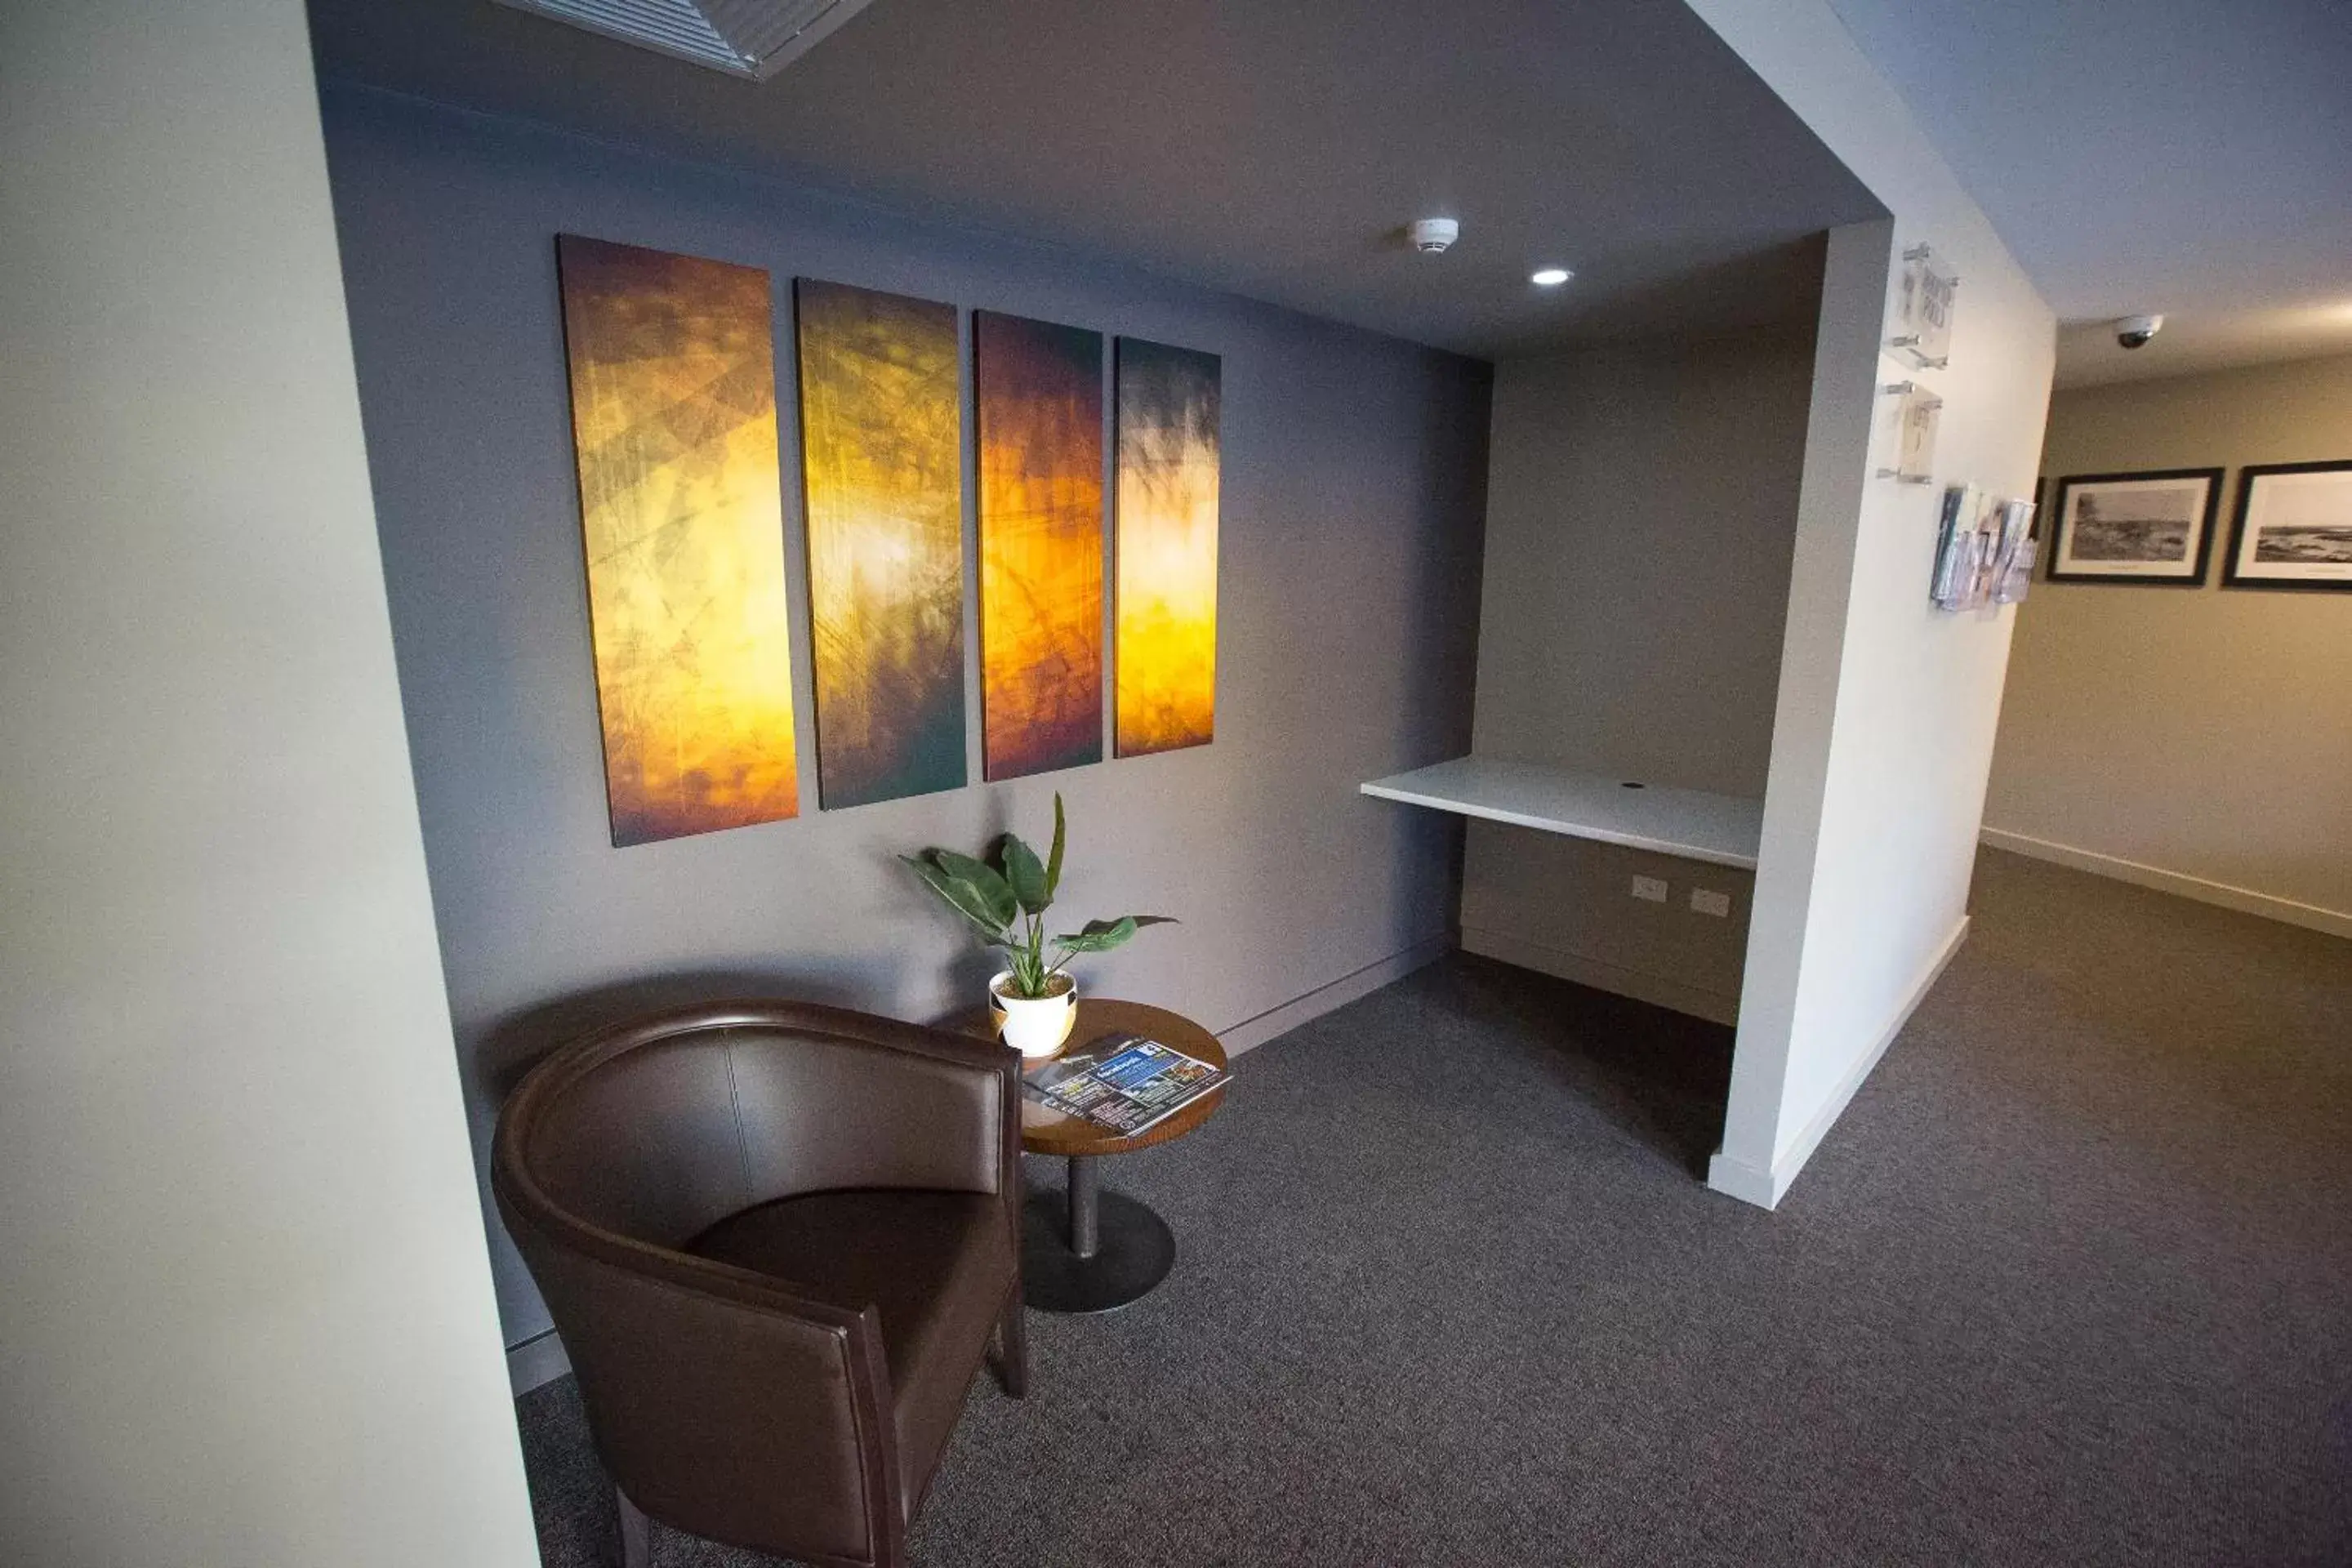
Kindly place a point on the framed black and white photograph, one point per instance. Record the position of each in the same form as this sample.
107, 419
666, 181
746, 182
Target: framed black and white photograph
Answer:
2150, 528
2293, 527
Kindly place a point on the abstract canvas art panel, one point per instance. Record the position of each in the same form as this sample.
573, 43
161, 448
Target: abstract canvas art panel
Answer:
1165, 647
2293, 527
674, 421
882, 474
2149, 528
1040, 405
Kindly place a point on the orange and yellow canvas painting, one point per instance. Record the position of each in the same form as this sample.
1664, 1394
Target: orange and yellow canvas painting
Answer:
1166, 641
1041, 543
882, 474
674, 422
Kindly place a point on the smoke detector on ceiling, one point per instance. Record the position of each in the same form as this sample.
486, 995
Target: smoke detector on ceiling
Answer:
754, 39
1433, 236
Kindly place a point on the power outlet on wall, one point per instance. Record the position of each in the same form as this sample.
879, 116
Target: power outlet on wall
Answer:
1651, 889
1707, 901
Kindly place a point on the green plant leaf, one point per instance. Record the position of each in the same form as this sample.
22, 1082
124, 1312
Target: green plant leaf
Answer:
994, 892
1054, 858
1030, 972
1101, 936
1027, 873
960, 896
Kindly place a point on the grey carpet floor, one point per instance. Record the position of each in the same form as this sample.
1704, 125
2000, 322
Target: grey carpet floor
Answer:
2069, 1283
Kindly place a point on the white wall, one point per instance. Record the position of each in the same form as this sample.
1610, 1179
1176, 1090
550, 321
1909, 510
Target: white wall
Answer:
2194, 740
247, 1319
1883, 729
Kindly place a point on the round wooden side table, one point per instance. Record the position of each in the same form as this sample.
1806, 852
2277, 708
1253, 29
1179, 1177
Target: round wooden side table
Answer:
1094, 1251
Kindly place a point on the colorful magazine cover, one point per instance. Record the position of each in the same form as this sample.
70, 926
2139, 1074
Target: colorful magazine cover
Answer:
1123, 1083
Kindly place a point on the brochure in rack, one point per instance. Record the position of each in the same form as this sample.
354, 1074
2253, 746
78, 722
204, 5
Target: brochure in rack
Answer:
1123, 1083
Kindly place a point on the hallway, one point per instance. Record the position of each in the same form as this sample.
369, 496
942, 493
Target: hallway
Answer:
2067, 1285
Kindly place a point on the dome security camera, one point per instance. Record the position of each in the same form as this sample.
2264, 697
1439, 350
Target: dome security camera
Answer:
2133, 332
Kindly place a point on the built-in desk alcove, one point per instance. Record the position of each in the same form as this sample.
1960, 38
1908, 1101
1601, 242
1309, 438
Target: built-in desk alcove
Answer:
1642, 515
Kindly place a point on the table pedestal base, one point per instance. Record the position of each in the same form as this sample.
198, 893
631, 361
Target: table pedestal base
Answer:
1092, 1251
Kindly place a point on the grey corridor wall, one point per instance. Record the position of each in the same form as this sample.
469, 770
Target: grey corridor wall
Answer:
1353, 498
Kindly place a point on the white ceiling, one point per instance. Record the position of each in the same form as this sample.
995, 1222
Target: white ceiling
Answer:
2192, 157
1272, 149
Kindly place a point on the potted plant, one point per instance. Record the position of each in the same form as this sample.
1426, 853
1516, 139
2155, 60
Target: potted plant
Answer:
1035, 1000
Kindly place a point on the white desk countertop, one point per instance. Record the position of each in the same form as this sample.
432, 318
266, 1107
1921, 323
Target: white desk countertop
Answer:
1722, 829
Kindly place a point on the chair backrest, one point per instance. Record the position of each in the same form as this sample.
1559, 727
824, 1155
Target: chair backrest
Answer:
730, 1404
660, 1129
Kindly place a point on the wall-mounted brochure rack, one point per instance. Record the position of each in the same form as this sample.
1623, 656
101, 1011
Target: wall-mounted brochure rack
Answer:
1984, 555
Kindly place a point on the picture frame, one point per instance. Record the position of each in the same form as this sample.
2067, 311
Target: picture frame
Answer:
2151, 528
2291, 528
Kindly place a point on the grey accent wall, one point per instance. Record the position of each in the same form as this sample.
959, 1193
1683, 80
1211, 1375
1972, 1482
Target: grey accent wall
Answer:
1353, 496
2199, 740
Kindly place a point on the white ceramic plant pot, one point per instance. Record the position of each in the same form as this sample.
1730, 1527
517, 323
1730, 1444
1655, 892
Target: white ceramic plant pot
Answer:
1033, 1027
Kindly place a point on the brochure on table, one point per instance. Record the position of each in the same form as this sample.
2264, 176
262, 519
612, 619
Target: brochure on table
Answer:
1122, 1083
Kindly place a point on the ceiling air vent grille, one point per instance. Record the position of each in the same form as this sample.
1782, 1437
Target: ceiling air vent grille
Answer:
753, 38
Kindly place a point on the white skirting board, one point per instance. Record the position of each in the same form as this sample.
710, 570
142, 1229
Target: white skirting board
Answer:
540, 1358
2336, 923
1765, 1189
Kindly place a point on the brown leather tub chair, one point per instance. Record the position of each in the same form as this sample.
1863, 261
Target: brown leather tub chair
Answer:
777, 1240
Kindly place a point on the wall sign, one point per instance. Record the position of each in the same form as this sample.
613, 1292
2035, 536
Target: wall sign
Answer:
1923, 335
1917, 413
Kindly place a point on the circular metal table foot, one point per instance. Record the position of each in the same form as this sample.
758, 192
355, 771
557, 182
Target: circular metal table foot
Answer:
1133, 1251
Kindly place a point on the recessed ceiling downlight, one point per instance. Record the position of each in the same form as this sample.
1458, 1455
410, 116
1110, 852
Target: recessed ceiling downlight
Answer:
1549, 276
754, 39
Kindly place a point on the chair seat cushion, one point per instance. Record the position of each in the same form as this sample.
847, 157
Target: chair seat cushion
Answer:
938, 1266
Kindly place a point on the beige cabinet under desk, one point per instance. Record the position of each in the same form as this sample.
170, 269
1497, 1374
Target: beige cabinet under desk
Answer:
1565, 906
